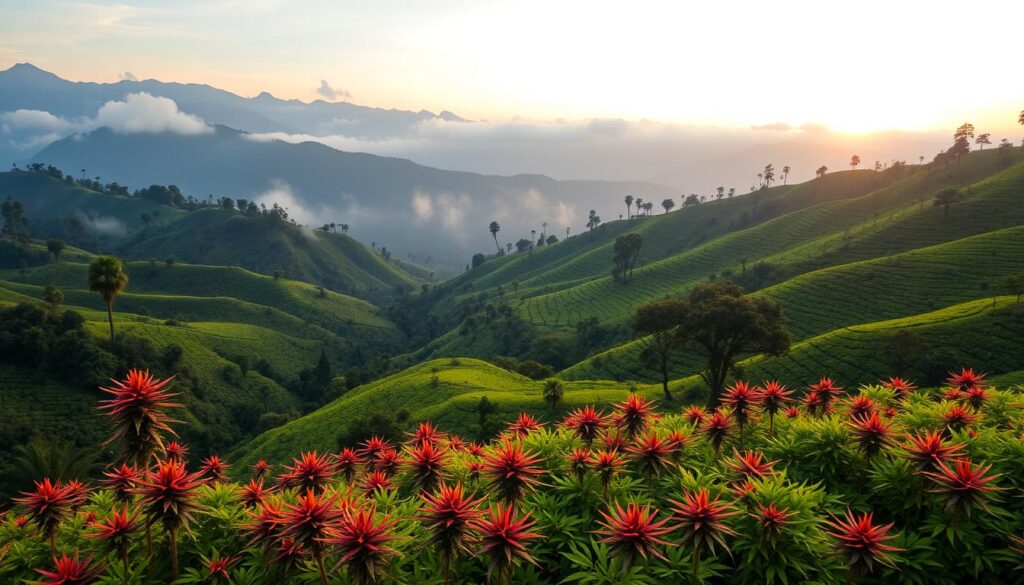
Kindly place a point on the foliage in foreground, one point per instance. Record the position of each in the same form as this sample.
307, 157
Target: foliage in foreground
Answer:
886, 484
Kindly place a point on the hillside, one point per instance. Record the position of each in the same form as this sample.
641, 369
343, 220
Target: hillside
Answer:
210, 235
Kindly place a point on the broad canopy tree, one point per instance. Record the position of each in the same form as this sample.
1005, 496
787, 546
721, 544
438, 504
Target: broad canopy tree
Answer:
627, 249
720, 321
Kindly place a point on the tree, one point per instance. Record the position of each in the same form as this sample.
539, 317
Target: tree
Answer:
658, 322
821, 171
626, 251
1012, 285
629, 206
53, 297
478, 259
344, 229
495, 228
732, 191
668, 204
108, 278
961, 140
785, 174
1020, 118
593, 220
769, 174
945, 198
691, 200
553, 392
15, 224
854, 161
719, 193
903, 350
726, 323
55, 247
982, 140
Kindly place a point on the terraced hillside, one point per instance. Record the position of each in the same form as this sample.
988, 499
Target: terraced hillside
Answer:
141, 229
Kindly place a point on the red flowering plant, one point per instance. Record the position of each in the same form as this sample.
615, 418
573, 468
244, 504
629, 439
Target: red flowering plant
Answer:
121, 480
900, 387
606, 464
716, 428
633, 414
449, 516
871, 432
362, 538
369, 448
388, 461
773, 396
965, 379
167, 496
71, 571
827, 392
963, 485
929, 449
504, 536
377, 480
426, 432
861, 405
116, 532
579, 464
137, 406
652, 454
586, 423
425, 464
176, 450
260, 469
309, 471
749, 465
347, 461
957, 418
524, 425
742, 399
253, 493
792, 412
48, 505
633, 532
214, 469
308, 523
701, 523
511, 470
862, 542
265, 524
695, 415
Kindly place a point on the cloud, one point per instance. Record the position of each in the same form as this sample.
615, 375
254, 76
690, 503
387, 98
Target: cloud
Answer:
448, 209
776, 126
281, 193
144, 113
422, 206
127, 76
107, 226
33, 120
332, 93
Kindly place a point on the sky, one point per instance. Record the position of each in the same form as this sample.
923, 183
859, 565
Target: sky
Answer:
854, 67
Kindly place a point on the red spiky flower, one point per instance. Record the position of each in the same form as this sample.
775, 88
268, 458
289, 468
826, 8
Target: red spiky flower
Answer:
958, 417
606, 464
511, 470
812, 402
426, 432
167, 495
976, 397
652, 453
456, 443
370, 447
702, 520
963, 484
872, 433
346, 463
253, 493
861, 405
377, 480
176, 450
930, 449
288, 554
613, 440
387, 461
827, 392
771, 519
862, 541
741, 398
744, 489
214, 468
773, 396
71, 571
900, 387
695, 415
717, 427
308, 523
309, 471
260, 469
586, 423
633, 532
965, 379
137, 407
678, 441
750, 464
449, 515
361, 538
524, 425
473, 470
504, 538
265, 524
425, 464
121, 480
48, 505
116, 531
792, 412
633, 414
217, 568
475, 449
79, 493
579, 463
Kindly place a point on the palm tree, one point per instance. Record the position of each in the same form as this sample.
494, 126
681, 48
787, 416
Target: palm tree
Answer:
920, 159
1020, 119
553, 392
785, 174
639, 205
495, 228
769, 174
629, 206
107, 277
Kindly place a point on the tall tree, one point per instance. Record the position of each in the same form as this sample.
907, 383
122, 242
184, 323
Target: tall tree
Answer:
726, 324
769, 174
821, 171
945, 198
639, 205
553, 392
854, 161
108, 278
55, 247
720, 192
495, 228
593, 220
53, 297
1012, 285
732, 191
626, 251
982, 140
658, 323
785, 174
629, 206
668, 204
1020, 118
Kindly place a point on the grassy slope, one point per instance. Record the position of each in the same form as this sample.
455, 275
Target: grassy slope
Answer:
893, 286
980, 333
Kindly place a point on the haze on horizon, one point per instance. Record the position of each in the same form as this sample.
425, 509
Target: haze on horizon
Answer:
911, 66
